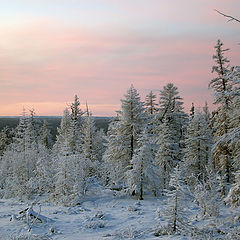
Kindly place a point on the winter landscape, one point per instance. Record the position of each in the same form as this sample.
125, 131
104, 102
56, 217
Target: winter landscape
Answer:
154, 170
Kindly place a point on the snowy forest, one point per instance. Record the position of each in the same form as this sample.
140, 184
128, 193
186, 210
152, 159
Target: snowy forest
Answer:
153, 151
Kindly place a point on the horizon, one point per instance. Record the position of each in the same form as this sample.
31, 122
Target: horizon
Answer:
97, 49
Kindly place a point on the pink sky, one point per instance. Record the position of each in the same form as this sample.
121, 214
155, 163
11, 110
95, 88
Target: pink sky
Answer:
96, 49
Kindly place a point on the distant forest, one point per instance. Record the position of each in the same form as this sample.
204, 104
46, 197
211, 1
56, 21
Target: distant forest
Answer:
53, 123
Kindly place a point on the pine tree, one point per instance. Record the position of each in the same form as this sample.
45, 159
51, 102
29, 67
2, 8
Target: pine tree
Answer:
73, 168
111, 156
45, 170
151, 110
63, 132
234, 133
64, 178
76, 112
76, 134
232, 138
126, 134
192, 111
144, 173
233, 197
177, 196
167, 153
150, 103
45, 138
89, 145
207, 193
170, 102
6, 136
222, 86
206, 113
198, 143
169, 130
171, 111
19, 161
63, 160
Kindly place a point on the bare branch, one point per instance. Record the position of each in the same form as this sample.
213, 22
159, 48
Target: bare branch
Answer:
230, 18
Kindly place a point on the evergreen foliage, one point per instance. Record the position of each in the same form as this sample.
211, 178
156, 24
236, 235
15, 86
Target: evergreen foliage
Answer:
222, 85
144, 172
125, 134
198, 143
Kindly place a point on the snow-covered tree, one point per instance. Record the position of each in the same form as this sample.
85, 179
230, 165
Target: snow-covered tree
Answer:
206, 113
64, 133
150, 103
76, 112
177, 196
208, 193
198, 142
171, 111
126, 134
63, 160
100, 144
234, 133
89, 145
19, 161
233, 197
111, 156
222, 86
144, 174
72, 166
45, 170
5, 139
64, 178
192, 111
45, 137
151, 110
167, 153
76, 126
170, 102
169, 130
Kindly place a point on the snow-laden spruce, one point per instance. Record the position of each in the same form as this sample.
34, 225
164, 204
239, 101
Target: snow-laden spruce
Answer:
169, 128
123, 137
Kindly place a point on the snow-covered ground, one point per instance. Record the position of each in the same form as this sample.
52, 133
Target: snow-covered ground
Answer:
101, 217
